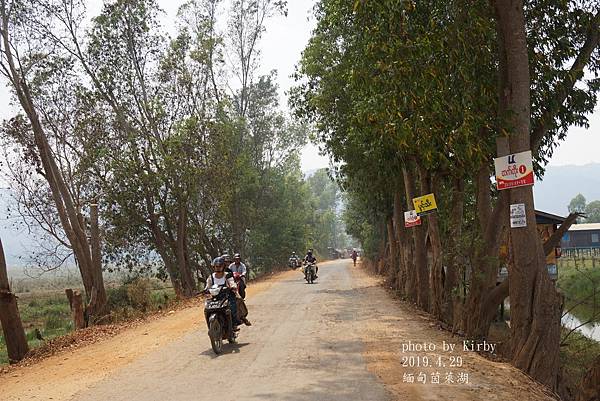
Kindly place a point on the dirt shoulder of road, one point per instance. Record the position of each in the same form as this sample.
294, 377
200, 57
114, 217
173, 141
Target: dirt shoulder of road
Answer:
400, 325
69, 371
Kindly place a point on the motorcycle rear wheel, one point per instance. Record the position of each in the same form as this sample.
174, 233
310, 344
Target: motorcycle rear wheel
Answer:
215, 333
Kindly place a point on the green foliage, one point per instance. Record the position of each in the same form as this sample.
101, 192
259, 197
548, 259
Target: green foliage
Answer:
577, 355
137, 295
592, 212
326, 228
402, 84
577, 204
581, 287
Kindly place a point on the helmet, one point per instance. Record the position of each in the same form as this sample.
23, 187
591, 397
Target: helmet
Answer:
237, 256
309, 252
226, 258
218, 264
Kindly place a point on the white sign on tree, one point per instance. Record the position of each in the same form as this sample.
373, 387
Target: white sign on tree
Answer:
518, 218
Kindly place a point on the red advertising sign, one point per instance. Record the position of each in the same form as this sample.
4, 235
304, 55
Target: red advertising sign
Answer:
514, 170
411, 219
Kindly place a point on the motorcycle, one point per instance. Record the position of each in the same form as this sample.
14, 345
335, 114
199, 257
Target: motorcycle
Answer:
294, 263
217, 313
310, 272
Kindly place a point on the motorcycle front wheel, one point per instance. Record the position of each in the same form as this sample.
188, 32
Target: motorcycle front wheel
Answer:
215, 333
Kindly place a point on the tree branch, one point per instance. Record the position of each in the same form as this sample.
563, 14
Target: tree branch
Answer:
551, 242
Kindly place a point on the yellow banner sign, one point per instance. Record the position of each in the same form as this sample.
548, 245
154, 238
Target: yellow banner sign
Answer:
425, 204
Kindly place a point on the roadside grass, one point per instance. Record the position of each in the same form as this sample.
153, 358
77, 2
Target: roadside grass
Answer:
49, 312
577, 354
581, 285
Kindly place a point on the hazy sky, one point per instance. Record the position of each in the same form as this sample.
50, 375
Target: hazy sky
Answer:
281, 47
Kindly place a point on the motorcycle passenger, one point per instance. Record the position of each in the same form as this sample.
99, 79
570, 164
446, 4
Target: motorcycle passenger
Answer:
227, 260
221, 278
309, 258
238, 267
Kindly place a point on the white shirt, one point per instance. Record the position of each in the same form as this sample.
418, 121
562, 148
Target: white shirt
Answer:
212, 280
238, 269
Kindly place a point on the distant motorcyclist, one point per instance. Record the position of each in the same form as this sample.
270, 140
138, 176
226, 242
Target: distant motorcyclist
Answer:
354, 256
309, 258
238, 267
294, 260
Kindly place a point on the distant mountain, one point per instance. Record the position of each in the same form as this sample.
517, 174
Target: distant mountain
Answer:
562, 183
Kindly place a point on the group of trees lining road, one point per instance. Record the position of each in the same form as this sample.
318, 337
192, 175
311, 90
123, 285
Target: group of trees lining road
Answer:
133, 147
414, 97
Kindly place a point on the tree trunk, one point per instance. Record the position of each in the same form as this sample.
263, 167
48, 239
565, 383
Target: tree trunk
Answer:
433, 232
76, 306
484, 269
161, 247
452, 300
99, 306
12, 327
400, 234
419, 253
187, 278
409, 242
535, 304
393, 268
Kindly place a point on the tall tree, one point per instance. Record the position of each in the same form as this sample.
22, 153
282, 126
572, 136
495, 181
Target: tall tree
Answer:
535, 303
22, 49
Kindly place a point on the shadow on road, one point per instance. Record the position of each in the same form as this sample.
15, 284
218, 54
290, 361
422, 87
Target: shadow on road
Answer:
227, 349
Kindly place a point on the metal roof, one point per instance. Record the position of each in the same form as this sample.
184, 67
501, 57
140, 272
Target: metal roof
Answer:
548, 218
585, 227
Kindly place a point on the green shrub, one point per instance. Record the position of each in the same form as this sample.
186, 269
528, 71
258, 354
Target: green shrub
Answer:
135, 295
138, 293
117, 297
159, 299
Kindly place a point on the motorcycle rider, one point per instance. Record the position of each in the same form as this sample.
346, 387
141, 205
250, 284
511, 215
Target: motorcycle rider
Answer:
309, 258
294, 257
354, 256
238, 267
221, 278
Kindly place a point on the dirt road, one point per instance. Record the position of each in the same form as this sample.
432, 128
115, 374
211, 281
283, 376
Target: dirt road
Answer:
342, 338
